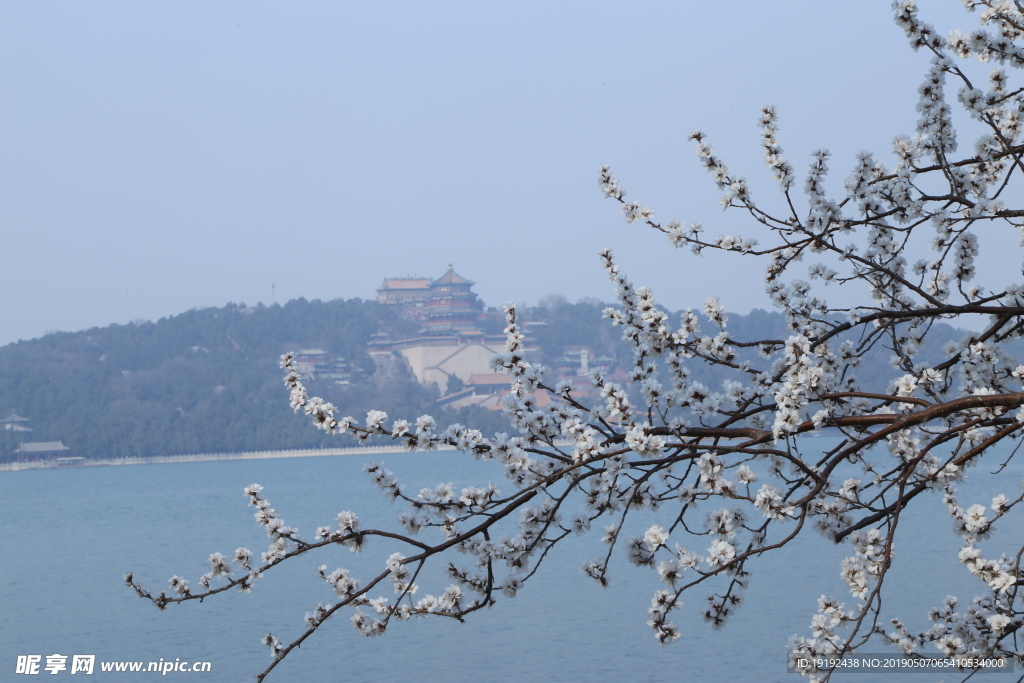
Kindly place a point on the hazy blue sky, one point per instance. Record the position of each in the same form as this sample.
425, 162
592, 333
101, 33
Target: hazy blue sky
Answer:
160, 156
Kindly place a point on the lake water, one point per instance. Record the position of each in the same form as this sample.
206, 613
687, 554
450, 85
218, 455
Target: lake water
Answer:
70, 536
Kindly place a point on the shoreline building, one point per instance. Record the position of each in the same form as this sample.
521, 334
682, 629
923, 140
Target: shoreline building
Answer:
40, 450
450, 342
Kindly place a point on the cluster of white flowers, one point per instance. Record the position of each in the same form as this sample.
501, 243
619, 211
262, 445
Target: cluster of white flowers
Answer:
281, 535
804, 653
661, 604
783, 172
219, 567
770, 501
862, 570
340, 580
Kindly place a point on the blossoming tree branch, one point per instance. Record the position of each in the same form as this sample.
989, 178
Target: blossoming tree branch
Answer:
667, 443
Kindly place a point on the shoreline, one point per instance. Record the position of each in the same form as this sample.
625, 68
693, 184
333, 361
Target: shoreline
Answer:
212, 457
209, 457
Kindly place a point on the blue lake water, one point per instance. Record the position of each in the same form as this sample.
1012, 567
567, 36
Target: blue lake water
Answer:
71, 534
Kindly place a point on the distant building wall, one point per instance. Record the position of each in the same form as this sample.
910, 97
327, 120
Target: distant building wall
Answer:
432, 362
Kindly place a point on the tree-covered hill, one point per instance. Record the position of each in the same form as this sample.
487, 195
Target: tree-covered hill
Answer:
205, 380
208, 380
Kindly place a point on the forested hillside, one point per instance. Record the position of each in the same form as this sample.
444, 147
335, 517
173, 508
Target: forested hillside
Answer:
205, 380
208, 380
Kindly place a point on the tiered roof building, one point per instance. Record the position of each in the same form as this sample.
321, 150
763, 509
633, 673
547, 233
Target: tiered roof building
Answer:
452, 307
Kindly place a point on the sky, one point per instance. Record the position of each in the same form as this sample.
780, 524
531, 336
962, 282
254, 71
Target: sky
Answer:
156, 157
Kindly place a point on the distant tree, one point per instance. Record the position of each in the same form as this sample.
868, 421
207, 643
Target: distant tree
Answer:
553, 301
666, 442
454, 384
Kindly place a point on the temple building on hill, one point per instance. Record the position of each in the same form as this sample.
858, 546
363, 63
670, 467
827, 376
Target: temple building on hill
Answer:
450, 342
444, 306
452, 307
